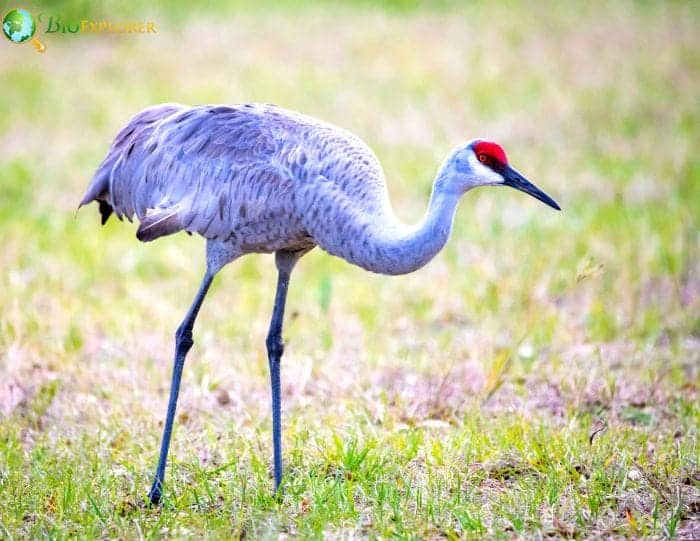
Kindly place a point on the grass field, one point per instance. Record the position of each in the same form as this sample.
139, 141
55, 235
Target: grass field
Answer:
539, 378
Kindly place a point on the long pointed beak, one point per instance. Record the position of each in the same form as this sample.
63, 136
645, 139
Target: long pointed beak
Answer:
519, 182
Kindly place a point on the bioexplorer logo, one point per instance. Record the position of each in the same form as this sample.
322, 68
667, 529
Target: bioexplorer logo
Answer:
20, 26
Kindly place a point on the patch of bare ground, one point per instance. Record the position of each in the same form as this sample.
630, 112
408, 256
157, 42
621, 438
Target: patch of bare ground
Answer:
689, 529
12, 394
594, 379
597, 380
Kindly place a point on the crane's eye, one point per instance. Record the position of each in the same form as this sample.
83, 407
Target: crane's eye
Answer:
483, 158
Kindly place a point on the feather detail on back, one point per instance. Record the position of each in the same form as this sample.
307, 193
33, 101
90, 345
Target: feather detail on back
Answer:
230, 173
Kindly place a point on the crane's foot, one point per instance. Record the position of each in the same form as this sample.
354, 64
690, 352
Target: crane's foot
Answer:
156, 493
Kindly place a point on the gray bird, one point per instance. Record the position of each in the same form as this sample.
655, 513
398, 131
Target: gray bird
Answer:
259, 178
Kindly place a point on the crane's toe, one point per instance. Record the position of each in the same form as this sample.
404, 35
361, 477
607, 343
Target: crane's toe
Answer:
155, 494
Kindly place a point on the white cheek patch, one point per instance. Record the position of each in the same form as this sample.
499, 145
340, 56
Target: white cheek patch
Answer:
482, 174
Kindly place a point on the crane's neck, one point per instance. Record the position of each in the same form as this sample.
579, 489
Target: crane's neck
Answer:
400, 248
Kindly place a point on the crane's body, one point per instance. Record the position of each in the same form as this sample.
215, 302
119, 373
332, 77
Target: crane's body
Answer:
259, 178
248, 178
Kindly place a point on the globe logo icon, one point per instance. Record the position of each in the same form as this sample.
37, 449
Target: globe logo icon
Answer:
18, 26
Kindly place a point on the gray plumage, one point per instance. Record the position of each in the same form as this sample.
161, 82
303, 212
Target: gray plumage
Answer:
259, 178
248, 178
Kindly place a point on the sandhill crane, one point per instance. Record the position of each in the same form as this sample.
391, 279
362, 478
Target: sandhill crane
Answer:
259, 178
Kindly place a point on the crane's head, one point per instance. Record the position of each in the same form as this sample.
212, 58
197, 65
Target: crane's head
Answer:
484, 163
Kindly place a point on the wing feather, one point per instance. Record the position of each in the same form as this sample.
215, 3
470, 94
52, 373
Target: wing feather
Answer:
176, 167
216, 169
159, 222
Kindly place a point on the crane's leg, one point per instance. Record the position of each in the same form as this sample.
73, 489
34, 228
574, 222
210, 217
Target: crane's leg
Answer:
285, 262
183, 343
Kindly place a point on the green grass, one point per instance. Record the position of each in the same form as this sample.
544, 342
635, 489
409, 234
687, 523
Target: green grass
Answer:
538, 378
